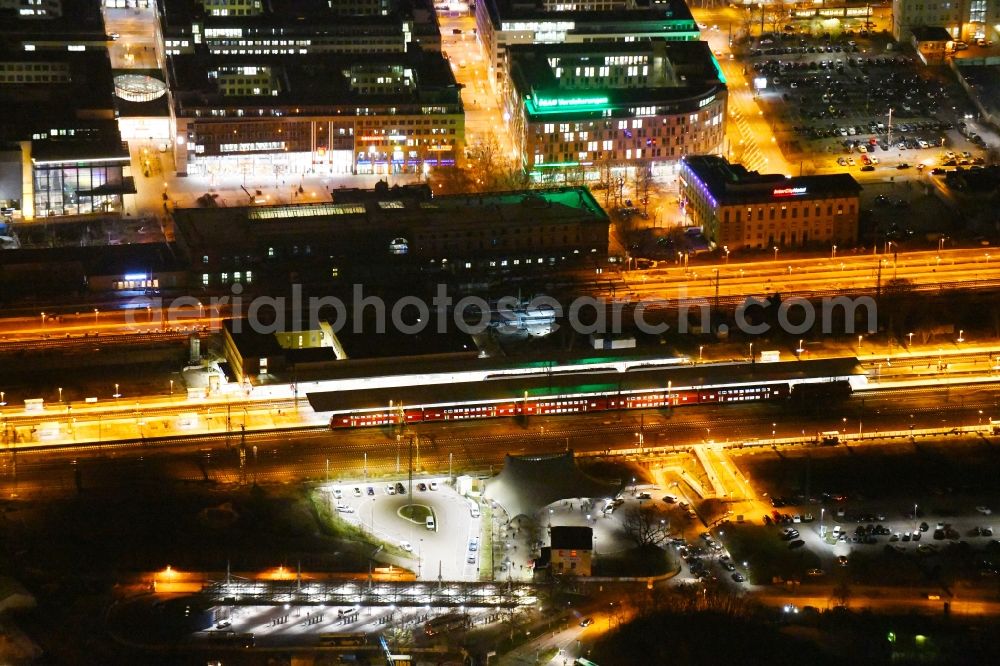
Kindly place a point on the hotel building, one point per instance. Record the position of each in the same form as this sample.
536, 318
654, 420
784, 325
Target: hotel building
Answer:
613, 105
738, 209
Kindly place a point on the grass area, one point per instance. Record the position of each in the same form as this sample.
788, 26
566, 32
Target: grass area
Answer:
769, 557
486, 563
333, 525
417, 513
644, 561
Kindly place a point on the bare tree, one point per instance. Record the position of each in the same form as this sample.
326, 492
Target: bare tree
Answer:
645, 526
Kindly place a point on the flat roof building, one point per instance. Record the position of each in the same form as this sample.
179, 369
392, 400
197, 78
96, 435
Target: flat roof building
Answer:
613, 105
61, 146
737, 208
299, 27
390, 234
270, 115
504, 23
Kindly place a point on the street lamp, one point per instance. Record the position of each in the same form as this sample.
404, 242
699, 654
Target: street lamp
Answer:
96, 311
725, 248
960, 337
117, 394
700, 349
751, 352
800, 349
909, 341
775, 252
833, 252
60, 394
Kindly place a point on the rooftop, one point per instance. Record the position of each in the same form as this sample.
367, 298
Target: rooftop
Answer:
80, 20
370, 224
677, 71
68, 89
322, 79
568, 537
732, 183
644, 10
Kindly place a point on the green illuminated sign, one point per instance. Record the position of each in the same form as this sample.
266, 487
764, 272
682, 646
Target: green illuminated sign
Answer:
572, 101
542, 105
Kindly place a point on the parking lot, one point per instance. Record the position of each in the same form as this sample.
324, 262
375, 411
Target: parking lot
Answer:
831, 101
447, 544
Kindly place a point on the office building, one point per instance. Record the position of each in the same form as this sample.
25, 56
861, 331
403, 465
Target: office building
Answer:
61, 152
963, 19
298, 27
613, 105
504, 23
277, 115
738, 209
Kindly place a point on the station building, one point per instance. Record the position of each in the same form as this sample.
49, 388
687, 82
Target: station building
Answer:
737, 208
613, 105
272, 115
380, 236
504, 23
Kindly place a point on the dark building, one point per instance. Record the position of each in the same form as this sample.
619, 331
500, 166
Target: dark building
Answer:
380, 235
737, 208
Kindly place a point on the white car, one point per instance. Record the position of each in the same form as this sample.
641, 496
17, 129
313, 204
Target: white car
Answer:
337, 493
985, 510
390, 489
357, 491
406, 545
343, 508
433, 485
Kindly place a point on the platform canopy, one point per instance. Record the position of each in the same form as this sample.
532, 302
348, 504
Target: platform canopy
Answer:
528, 484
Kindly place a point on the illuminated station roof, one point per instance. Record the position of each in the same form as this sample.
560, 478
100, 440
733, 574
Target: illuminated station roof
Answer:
733, 183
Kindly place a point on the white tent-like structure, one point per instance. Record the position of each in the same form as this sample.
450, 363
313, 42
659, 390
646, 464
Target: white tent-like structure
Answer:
528, 484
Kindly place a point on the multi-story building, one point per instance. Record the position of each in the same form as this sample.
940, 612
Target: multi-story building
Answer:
504, 23
963, 19
606, 105
271, 115
379, 236
61, 152
298, 27
737, 208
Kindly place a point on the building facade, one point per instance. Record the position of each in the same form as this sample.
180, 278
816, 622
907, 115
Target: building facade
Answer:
504, 23
740, 209
606, 106
278, 116
963, 19
572, 550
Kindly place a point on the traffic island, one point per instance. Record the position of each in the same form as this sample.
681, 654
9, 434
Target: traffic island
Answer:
415, 513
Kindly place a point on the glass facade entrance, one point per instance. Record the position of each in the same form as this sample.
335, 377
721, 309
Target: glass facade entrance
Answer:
77, 189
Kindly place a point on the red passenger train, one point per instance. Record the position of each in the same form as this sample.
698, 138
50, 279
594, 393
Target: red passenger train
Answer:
553, 405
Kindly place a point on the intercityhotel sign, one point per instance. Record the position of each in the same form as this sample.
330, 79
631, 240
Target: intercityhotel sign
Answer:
788, 192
